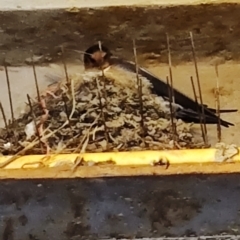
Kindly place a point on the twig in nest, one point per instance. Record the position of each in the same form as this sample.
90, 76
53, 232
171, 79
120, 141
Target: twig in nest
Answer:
170, 67
83, 144
139, 83
198, 110
51, 94
34, 120
102, 112
66, 109
16, 156
59, 151
32, 144
43, 119
87, 134
9, 92
79, 159
217, 97
73, 99
199, 88
174, 131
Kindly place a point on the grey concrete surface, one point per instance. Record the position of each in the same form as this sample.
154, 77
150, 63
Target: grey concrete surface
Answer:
153, 207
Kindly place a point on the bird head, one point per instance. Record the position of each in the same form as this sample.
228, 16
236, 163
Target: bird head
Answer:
97, 57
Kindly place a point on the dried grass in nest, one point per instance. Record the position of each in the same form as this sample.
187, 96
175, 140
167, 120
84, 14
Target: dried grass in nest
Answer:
75, 123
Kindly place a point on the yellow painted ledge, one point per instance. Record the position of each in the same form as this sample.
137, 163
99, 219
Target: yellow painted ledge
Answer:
117, 164
133, 158
119, 171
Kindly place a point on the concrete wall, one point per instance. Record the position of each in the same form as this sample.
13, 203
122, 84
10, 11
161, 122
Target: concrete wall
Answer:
46, 28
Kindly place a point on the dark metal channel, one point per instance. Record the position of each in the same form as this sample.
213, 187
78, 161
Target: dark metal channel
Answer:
120, 207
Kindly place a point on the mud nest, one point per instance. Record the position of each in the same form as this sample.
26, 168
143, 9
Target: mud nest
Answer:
93, 113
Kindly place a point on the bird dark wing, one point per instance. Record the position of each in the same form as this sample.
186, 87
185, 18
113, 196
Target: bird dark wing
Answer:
188, 115
190, 110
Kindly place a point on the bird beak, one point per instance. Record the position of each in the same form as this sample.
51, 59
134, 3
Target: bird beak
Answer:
97, 58
99, 55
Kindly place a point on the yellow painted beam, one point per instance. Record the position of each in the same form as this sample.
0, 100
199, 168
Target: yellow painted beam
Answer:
89, 165
134, 158
64, 172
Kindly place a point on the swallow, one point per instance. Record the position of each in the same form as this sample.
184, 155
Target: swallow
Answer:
100, 57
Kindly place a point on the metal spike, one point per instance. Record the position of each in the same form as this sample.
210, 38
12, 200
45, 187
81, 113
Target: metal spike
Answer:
34, 120
36, 80
103, 75
9, 92
4, 116
170, 67
199, 113
139, 83
217, 97
174, 130
199, 87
